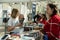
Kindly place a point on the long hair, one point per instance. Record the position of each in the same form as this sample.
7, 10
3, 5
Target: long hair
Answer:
14, 13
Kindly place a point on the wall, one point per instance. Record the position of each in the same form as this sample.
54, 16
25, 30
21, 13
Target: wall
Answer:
20, 0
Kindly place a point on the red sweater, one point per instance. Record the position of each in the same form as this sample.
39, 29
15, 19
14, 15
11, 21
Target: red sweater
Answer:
53, 27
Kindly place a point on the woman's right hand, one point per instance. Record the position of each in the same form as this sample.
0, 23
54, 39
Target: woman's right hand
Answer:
10, 28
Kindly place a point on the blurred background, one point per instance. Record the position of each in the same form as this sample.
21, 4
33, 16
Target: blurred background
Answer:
28, 8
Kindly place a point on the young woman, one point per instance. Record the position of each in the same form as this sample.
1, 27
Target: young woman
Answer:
37, 18
43, 19
13, 21
52, 28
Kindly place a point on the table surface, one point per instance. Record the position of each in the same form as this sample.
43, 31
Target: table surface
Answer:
23, 33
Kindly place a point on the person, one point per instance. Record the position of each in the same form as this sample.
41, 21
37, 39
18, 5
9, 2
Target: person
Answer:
52, 27
21, 18
38, 17
43, 19
13, 21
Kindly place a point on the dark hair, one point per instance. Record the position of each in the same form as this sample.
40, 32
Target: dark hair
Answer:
14, 13
44, 16
54, 7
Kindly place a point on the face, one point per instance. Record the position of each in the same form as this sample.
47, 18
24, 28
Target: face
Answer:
49, 10
21, 16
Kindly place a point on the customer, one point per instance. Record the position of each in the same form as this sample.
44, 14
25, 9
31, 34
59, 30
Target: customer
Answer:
37, 17
21, 18
52, 28
43, 19
13, 21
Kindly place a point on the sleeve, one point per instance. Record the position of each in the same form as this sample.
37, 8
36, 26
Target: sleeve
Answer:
9, 22
47, 27
59, 29
55, 27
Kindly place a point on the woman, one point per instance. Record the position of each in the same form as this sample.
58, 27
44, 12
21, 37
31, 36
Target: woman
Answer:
43, 19
52, 27
37, 18
13, 21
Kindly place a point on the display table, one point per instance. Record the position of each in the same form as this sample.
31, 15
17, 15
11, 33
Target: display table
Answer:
22, 37
22, 33
27, 33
